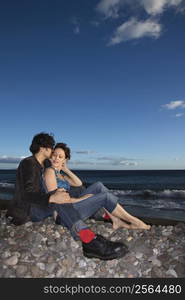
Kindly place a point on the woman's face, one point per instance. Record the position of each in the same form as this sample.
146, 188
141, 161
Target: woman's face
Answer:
58, 158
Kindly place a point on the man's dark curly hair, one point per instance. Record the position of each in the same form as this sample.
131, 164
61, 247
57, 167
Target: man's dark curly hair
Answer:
42, 139
64, 147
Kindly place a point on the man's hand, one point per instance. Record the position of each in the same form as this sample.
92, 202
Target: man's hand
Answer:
74, 200
60, 197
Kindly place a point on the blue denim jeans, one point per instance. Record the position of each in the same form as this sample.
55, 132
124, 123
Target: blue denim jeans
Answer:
69, 217
73, 215
102, 198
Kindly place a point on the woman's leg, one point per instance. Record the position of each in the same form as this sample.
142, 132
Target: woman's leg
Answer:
109, 201
121, 214
117, 222
90, 191
90, 206
135, 223
95, 188
70, 218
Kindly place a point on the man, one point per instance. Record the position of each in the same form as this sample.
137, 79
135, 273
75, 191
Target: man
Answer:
31, 201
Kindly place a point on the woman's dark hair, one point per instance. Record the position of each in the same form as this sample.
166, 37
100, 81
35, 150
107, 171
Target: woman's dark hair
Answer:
42, 139
64, 147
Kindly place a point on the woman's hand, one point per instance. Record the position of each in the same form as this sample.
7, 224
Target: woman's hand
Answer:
64, 166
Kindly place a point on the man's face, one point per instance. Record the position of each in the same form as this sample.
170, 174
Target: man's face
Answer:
48, 152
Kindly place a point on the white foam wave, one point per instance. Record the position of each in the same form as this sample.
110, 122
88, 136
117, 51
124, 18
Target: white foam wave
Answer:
6, 185
170, 194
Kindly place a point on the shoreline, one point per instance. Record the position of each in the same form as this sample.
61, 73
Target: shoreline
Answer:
46, 250
152, 220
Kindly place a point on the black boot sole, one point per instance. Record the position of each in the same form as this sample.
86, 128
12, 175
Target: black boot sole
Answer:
113, 256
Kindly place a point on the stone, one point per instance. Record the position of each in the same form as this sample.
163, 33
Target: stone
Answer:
172, 273
180, 269
51, 267
11, 261
25, 252
21, 270
41, 265
35, 271
36, 252
157, 272
139, 255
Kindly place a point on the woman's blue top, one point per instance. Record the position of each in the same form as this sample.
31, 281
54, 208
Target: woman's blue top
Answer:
60, 182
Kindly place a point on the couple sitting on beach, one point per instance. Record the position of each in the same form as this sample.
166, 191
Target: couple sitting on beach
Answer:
43, 191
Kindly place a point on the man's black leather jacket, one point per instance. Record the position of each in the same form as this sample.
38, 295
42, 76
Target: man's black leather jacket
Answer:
28, 190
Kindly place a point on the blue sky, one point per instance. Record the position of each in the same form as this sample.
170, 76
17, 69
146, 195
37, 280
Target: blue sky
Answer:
105, 76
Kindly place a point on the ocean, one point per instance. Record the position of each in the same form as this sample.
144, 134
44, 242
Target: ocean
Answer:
150, 193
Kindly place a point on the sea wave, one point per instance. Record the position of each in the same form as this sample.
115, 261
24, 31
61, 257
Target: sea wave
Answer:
173, 200
144, 193
7, 185
151, 194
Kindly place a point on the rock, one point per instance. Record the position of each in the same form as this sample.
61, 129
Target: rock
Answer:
180, 269
11, 261
82, 264
89, 273
155, 261
61, 272
35, 271
21, 270
6, 254
12, 241
51, 267
43, 249
157, 272
129, 238
41, 266
57, 235
139, 255
172, 273
28, 224
36, 252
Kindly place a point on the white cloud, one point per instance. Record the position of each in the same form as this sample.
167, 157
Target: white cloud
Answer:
76, 28
84, 152
109, 8
117, 161
175, 104
154, 7
179, 115
80, 162
10, 160
134, 29
104, 162
128, 163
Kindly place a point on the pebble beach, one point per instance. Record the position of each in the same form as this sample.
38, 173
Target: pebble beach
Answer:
47, 250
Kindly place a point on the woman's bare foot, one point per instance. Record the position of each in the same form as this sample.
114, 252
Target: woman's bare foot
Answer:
117, 223
133, 223
140, 225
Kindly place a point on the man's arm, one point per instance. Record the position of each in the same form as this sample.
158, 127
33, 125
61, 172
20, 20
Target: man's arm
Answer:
32, 189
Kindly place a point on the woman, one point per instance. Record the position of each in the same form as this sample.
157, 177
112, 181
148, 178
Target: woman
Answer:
96, 196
